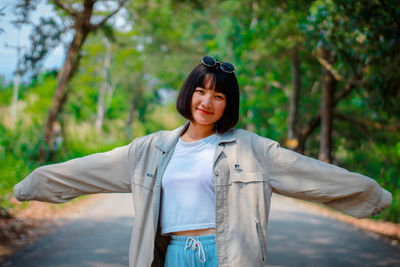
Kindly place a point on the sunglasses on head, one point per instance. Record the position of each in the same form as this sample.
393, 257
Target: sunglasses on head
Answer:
210, 62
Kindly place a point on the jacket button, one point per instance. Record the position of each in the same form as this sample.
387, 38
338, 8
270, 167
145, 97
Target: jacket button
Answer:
216, 173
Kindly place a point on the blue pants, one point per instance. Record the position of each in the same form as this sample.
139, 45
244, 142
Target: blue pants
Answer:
192, 251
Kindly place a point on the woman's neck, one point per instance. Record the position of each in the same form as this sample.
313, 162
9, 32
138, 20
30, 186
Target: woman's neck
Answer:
197, 132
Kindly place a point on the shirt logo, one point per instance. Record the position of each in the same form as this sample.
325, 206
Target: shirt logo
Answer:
237, 168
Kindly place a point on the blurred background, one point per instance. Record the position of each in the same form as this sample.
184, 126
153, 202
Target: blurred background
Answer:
321, 77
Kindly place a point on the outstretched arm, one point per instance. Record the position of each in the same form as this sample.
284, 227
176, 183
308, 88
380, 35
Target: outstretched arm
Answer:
302, 177
96, 173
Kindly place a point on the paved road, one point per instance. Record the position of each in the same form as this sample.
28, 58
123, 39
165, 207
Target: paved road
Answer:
300, 237
297, 237
97, 236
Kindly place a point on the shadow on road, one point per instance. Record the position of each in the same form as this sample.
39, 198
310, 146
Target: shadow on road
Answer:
299, 238
79, 242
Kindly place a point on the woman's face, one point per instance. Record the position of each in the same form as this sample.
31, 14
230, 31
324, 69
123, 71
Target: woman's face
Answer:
208, 106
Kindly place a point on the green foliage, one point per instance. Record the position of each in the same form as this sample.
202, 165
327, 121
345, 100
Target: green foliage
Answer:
364, 37
380, 161
46, 36
20, 147
168, 38
6, 95
19, 152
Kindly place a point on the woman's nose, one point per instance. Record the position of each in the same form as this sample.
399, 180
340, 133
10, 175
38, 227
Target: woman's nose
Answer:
206, 100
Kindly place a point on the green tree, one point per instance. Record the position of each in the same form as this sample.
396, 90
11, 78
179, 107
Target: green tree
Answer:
81, 19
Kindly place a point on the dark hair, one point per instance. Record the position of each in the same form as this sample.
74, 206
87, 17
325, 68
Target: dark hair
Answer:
222, 82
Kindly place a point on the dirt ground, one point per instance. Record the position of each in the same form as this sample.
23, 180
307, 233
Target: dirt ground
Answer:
32, 220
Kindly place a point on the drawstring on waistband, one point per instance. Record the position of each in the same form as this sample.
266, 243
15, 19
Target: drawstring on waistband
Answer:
196, 244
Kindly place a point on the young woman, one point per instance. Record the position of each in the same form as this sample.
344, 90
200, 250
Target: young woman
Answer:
202, 192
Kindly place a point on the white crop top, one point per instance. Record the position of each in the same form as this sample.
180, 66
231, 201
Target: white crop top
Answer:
188, 195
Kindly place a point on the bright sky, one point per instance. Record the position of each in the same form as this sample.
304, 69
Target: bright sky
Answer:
13, 37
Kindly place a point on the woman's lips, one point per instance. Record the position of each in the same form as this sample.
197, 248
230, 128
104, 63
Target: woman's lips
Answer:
204, 111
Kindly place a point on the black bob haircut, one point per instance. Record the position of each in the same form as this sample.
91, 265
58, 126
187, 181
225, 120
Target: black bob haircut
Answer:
222, 82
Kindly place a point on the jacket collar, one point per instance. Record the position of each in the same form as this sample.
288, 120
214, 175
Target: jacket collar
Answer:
168, 142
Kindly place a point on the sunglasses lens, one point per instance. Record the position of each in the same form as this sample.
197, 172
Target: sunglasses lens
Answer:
227, 67
208, 61
211, 62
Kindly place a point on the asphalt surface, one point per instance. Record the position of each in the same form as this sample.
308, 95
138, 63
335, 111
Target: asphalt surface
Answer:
297, 236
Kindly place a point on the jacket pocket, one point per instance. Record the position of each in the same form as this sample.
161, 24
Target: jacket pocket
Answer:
260, 239
146, 182
247, 177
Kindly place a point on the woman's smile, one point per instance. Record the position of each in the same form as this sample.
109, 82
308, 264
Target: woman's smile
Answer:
205, 111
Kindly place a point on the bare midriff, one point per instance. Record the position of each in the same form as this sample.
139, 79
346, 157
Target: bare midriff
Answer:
196, 232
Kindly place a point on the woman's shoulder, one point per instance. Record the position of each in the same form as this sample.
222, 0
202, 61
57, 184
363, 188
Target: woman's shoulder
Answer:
151, 138
244, 135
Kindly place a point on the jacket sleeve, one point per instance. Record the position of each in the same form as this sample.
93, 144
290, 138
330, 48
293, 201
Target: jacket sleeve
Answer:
302, 177
96, 173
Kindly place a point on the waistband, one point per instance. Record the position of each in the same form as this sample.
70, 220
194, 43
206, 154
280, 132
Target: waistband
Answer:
195, 243
182, 240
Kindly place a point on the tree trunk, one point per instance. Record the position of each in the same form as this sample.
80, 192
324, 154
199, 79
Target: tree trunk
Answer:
14, 103
293, 141
328, 90
60, 96
82, 27
251, 127
306, 132
105, 87
314, 122
129, 121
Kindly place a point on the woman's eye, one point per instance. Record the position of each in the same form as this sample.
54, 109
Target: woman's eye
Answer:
199, 91
220, 97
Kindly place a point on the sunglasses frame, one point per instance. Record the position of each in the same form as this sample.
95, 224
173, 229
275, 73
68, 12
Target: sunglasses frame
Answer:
216, 62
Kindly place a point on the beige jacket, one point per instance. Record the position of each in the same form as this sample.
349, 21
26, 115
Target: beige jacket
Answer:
247, 169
